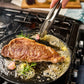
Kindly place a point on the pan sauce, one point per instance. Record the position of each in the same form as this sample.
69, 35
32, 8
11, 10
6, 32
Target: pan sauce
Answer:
54, 71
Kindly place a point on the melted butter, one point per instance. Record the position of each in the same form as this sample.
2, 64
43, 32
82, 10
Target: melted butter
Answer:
54, 71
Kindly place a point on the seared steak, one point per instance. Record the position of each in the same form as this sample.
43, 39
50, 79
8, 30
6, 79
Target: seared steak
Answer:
25, 49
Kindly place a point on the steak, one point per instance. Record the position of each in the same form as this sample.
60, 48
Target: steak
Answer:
24, 49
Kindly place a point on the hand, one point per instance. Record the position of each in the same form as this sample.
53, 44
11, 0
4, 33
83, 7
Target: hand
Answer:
64, 2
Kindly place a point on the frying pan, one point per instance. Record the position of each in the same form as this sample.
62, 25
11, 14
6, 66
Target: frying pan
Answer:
10, 75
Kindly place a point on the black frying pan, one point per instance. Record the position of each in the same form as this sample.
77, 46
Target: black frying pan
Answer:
10, 75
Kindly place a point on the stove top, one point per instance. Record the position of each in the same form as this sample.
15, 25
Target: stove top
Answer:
65, 28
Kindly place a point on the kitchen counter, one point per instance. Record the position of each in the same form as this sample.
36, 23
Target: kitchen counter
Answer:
76, 13
73, 13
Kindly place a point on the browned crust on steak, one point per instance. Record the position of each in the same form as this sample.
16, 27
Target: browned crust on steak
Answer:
25, 49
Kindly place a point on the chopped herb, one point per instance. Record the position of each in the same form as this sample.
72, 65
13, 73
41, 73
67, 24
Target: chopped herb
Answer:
23, 35
25, 68
33, 64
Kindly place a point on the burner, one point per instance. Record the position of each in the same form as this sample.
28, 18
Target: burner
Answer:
2, 25
4, 19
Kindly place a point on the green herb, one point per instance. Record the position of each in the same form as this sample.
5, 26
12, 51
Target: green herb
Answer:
23, 35
33, 64
25, 67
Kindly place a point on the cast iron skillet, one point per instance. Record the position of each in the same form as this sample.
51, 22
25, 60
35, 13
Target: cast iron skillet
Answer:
4, 73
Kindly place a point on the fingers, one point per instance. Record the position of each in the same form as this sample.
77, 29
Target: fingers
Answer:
53, 3
64, 2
